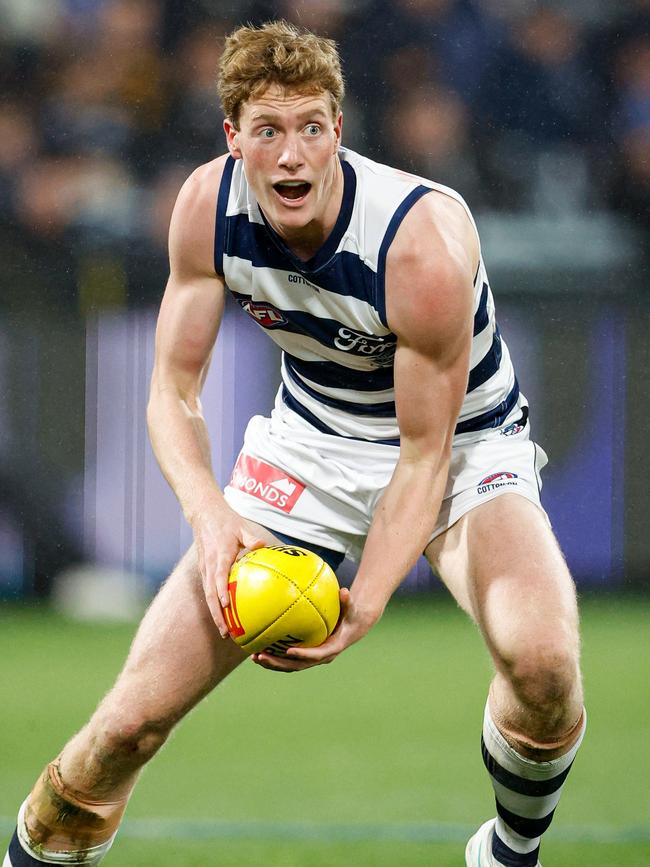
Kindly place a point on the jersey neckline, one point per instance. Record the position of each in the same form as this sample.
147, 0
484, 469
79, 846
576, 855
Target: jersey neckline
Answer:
324, 253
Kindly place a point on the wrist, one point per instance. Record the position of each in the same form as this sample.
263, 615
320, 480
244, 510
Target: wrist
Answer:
366, 612
210, 502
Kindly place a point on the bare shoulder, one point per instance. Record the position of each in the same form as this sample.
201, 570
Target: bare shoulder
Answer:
431, 265
192, 228
437, 232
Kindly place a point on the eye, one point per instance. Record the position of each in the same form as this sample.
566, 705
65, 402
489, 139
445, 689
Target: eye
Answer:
312, 129
267, 132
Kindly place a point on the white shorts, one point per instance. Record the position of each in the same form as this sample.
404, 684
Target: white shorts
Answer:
323, 489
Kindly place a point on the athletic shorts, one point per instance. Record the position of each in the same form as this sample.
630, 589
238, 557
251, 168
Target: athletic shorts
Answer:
323, 490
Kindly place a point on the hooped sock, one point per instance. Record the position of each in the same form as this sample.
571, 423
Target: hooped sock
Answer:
527, 793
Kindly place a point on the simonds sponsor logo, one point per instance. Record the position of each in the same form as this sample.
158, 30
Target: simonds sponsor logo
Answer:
497, 480
265, 482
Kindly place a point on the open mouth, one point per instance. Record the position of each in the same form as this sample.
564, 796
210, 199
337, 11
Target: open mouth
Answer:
292, 191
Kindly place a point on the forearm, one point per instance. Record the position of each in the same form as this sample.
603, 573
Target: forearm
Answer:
400, 530
180, 441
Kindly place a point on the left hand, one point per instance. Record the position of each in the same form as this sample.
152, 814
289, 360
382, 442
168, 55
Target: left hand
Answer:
352, 626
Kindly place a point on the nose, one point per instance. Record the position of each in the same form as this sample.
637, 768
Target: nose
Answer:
291, 154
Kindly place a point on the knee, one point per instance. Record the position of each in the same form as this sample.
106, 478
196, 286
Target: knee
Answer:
128, 738
544, 676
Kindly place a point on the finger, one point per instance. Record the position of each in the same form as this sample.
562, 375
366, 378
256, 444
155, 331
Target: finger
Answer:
221, 575
313, 655
200, 559
344, 599
251, 543
331, 647
324, 652
210, 593
215, 610
271, 666
220, 622
279, 663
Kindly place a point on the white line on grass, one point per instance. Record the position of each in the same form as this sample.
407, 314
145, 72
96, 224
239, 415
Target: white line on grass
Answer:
197, 829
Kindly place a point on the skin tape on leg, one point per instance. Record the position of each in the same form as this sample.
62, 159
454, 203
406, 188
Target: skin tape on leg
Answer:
563, 744
57, 819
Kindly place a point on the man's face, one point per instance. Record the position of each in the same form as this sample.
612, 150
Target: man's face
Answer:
289, 142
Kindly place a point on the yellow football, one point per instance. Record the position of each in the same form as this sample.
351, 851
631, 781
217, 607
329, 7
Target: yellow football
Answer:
280, 597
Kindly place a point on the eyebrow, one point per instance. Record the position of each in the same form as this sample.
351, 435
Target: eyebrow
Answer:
270, 116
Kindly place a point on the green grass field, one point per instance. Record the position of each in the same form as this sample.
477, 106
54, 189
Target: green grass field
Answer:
371, 761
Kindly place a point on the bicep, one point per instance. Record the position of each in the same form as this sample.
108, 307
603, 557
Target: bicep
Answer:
430, 298
430, 385
188, 323
192, 306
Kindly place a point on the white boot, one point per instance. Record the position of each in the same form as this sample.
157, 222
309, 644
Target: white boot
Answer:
479, 849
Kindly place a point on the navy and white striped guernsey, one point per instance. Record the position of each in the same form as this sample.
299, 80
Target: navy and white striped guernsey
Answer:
328, 314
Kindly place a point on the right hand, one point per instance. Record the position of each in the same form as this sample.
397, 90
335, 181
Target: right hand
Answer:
221, 538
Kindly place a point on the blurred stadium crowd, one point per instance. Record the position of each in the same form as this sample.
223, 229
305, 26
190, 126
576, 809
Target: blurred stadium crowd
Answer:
537, 110
107, 105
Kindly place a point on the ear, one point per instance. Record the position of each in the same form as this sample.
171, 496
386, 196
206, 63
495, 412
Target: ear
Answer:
338, 130
232, 138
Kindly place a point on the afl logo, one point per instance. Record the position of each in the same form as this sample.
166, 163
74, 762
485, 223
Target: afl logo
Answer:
265, 314
496, 480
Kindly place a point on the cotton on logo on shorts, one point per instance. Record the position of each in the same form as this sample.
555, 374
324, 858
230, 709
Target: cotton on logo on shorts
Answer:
512, 429
265, 482
496, 480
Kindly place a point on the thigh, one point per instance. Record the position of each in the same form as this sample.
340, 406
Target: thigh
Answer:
503, 565
177, 655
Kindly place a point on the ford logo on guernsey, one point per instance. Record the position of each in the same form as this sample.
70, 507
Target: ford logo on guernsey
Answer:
496, 480
380, 349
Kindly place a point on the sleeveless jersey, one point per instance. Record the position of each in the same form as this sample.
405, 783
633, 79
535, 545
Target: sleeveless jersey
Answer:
328, 314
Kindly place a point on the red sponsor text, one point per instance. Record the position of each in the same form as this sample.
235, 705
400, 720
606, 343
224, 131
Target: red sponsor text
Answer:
266, 482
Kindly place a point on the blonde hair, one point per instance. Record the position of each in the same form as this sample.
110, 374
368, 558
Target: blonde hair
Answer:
277, 53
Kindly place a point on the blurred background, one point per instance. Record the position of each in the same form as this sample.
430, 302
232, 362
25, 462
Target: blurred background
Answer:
538, 113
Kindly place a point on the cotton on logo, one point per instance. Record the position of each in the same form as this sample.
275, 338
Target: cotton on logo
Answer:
495, 477
265, 482
496, 480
